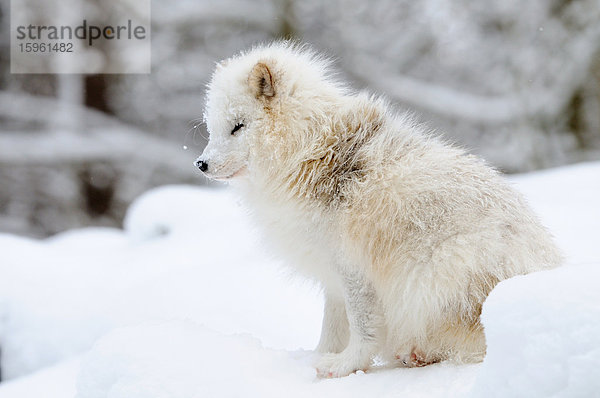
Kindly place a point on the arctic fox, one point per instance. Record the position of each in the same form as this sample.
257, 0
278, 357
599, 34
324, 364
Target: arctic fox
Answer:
406, 234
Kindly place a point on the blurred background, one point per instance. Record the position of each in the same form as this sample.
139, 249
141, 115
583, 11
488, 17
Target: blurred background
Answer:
517, 82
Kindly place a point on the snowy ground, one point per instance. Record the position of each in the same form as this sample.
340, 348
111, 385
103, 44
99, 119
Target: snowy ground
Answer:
184, 303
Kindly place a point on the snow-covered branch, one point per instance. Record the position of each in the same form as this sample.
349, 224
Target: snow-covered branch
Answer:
256, 15
541, 102
101, 137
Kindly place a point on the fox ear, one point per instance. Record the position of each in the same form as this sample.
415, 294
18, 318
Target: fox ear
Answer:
261, 81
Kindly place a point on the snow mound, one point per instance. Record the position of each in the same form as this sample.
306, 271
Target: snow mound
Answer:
56, 381
45, 312
184, 360
59, 295
543, 335
172, 300
181, 210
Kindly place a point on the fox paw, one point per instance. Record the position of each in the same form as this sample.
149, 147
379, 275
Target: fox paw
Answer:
416, 359
340, 365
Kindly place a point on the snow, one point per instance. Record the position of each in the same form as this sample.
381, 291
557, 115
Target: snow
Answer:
559, 355
193, 361
172, 261
52, 381
184, 302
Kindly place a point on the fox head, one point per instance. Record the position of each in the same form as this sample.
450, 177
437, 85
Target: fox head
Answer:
260, 108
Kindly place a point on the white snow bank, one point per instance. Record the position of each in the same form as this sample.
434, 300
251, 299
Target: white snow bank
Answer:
181, 359
186, 253
167, 298
184, 360
543, 335
56, 381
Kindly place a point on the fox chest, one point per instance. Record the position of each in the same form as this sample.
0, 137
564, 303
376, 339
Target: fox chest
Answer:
304, 239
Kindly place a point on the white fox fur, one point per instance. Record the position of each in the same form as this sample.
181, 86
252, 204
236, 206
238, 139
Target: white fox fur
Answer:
406, 234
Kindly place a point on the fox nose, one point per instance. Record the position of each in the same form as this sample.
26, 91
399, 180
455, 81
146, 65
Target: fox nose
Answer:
202, 165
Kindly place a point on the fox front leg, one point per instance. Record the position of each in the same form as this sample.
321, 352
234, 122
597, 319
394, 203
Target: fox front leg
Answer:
365, 324
335, 330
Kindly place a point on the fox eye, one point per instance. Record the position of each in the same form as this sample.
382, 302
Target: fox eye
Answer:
236, 128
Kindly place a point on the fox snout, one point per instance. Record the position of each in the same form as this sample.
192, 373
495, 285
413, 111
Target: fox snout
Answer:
201, 164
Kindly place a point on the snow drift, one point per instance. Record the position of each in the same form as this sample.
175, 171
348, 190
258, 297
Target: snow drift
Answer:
184, 302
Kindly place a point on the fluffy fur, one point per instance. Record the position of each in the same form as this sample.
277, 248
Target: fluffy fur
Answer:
406, 234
